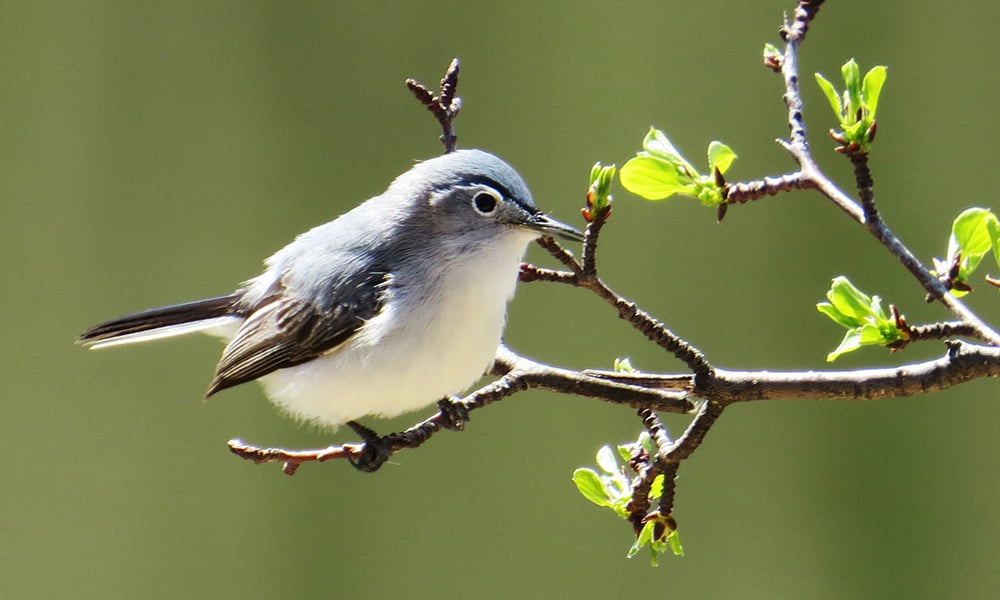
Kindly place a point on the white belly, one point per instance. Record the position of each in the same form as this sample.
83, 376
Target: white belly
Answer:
401, 362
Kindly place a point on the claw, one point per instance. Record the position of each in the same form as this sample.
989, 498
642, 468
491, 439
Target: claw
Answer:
374, 454
454, 414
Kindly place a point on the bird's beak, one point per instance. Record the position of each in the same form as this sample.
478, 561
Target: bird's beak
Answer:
547, 226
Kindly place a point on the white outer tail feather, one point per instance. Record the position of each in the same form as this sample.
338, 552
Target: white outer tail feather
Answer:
223, 327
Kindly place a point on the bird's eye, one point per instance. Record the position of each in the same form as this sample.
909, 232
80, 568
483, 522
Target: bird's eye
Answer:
485, 203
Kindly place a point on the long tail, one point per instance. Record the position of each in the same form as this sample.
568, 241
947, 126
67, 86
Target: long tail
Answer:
167, 321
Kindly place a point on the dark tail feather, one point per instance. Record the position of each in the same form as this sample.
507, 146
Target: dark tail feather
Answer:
160, 318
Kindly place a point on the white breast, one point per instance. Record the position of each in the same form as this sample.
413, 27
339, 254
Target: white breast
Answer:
413, 353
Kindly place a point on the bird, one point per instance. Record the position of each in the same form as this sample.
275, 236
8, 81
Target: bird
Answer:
392, 306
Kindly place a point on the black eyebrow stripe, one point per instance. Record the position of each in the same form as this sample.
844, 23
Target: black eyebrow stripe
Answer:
490, 182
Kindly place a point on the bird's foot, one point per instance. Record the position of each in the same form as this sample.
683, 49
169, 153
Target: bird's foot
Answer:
376, 451
454, 414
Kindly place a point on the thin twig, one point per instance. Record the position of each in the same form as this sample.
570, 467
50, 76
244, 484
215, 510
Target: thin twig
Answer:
642, 321
943, 330
744, 191
804, 13
666, 506
656, 430
694, 435
651, 467
444, 106
591, 235
561, 254
532, 273
291, 459
647, 469
865, 184
657, 381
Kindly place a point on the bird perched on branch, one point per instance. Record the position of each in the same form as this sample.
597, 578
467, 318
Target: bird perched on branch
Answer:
391, 307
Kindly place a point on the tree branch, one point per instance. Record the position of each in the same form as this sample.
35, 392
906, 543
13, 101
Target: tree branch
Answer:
865, 184
516, 374
804, 13
744, 191
961, 363
943, 330
444, 106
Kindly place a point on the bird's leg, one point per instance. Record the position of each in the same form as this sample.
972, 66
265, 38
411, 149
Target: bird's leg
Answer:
454, 414
378, 448
376, 451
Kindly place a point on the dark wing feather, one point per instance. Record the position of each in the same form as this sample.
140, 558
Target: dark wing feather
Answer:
166, 316
284, 330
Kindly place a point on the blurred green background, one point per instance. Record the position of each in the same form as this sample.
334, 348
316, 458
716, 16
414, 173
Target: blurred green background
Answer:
157, 152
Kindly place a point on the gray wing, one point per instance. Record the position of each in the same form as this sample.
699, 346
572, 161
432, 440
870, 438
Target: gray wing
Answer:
284, 330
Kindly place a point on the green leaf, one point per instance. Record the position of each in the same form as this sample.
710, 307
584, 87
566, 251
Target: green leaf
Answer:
652, 177
831, 96
634, 549
838, 317
644, 537
659, 171
606, 460
871, 335
589, 483
850, 343
720, 156
971, 238
595, 172
849, 300
994, 227
852, 84
862, 315
657, 546
658, 144
656, 489
601, 177
625, 452
674, 540
871, 88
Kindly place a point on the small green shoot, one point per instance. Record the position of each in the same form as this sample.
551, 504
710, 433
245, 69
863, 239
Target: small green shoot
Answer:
659, 532
610, 486
855, 107
773, 57
598, 193
660, 171
973, 234
624, 365
863, 317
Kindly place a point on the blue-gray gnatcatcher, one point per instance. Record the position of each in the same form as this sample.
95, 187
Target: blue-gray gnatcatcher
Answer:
392, 306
